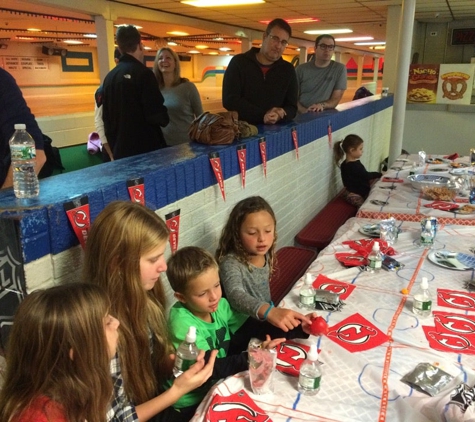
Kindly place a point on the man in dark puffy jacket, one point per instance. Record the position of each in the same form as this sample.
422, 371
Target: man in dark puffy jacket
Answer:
133, 109
259, 84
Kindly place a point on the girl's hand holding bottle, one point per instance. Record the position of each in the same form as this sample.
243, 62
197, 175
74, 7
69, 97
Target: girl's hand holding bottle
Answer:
196, 375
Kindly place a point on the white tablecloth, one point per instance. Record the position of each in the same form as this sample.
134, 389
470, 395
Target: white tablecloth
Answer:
401, 201
366, 386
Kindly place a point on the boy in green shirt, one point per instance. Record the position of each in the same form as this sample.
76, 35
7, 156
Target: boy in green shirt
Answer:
194, 276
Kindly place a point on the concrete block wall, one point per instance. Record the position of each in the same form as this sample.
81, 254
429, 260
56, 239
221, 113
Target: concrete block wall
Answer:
181, 178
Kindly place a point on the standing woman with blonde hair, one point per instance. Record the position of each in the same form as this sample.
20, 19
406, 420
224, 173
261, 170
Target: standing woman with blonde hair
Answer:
182, 99
125, 254
58, 357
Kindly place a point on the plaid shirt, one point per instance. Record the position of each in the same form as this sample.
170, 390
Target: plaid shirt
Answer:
121, 409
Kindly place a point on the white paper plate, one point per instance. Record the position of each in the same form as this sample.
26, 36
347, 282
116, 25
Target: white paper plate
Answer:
450, 261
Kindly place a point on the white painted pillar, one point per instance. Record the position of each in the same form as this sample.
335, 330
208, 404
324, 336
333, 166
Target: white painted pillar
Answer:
400, 92
105, 45
359, 72
391, 50
376, 70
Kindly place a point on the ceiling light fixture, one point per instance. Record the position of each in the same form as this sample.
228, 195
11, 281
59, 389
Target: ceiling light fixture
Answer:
216, 3
34, 30
371, 43
129, 24
296, 20
353, 39
72, 41
328, 31
224, 49
90, 36
193, 52
147, 47
178, 33
213, 53
172, 43
201, 47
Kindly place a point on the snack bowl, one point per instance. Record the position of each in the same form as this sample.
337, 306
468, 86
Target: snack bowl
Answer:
440, 193
421, 181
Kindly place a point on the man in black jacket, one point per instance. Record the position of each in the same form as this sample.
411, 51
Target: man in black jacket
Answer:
133, 109
259, 84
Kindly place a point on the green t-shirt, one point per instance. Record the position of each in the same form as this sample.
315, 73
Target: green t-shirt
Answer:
209, 336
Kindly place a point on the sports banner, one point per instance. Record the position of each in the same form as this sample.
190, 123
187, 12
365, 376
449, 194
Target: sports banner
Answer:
78, 214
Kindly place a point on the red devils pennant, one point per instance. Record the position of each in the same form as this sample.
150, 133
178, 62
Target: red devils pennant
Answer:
454, 323
173, 223
329, 131
290, 356
241, 153
236, 407
296, 141
263, 149
136, 190
334, 286
218, 172
356, 334
450, 342
78, 213
458, 300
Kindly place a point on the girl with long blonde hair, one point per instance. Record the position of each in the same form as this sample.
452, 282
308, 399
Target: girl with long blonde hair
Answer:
125, 254
58, 357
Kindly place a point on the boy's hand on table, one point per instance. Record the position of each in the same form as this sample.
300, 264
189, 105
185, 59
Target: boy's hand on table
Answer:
286, 319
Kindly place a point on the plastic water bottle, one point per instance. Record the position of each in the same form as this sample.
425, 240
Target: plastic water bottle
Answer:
375, 259
427, 234
186, 353
422, 302
307, 294
310, 373
23, 153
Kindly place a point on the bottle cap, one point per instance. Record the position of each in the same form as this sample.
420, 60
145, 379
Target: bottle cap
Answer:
191, 335
424, 283
428, 225
313, 353
308, 279
376, 246
20, 126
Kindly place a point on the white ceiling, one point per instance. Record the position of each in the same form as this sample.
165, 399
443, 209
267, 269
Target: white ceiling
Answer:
364, 17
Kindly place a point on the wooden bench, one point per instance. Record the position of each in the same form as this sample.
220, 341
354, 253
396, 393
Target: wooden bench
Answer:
319, 232
292, 263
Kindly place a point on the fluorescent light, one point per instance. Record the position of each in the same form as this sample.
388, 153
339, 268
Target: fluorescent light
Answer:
328, 31
216, 3
72, 42
128, 24
34, 30
201, 47
193, 52
354, 39
178, 33
371, 43
90, 36
296, 20
224, 49
147, 48
213, 53
171, 43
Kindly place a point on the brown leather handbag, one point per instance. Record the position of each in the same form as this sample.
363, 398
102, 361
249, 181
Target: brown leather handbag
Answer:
215, 129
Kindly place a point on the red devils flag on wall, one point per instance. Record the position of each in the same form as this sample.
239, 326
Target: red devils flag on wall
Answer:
173, 223
218, 172
296, 141
136, 190
78, 214
263, 150
236, 407
356, 334
329, 130
241, 153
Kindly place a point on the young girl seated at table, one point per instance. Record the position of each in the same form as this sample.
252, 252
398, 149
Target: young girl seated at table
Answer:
125, 254
58, 357
246, 257
356, 178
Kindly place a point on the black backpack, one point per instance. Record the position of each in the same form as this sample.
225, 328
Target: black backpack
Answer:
53, 159
362, 92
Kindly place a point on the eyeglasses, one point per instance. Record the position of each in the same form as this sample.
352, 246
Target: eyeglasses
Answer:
277, 40
326, 47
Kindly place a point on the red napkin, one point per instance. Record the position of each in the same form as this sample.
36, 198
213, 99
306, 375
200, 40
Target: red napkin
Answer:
392, 179
441, 205
452, 156
365, 246
351, 260
290, 356
334, 286
237, 406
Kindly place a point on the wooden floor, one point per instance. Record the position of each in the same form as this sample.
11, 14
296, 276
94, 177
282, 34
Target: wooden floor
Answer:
83, 101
